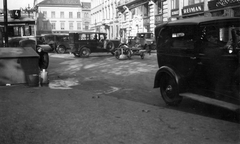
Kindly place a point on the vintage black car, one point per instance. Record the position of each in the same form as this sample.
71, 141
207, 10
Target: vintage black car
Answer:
84, 43
145, 40
199, 58
59, 42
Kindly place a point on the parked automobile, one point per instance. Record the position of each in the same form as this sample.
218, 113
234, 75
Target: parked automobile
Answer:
41, 48
59, 42
199, 58
84, 43
144, 40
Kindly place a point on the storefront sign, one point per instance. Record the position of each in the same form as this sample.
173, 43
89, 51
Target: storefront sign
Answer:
193, 9
175, 12
215, 4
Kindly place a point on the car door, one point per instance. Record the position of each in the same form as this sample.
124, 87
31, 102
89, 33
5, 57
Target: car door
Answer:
218, 65
177, 50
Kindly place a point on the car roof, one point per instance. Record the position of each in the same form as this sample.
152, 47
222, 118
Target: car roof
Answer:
60, 34
196, 21
144, 33
199, 20
87, 32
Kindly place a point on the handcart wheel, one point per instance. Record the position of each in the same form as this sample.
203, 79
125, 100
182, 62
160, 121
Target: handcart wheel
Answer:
142, 56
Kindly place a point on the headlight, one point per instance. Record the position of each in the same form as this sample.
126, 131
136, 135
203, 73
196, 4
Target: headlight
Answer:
39, 49
230, 49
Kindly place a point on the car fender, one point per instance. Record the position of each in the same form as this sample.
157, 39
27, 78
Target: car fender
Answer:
177, 76
82, 47
45, 47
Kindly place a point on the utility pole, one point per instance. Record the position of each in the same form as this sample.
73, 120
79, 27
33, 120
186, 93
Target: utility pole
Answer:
5, 22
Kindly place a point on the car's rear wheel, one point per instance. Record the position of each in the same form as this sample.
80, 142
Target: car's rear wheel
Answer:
169, 90
110, 46
85, 52
61, 49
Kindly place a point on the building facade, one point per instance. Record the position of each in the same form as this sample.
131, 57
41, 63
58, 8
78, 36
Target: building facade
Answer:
123, 18
62, 16
104, 17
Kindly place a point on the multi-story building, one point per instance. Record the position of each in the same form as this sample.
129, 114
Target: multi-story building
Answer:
62, 16
104, 17
128, 17
180, 9
124, 17
140, 15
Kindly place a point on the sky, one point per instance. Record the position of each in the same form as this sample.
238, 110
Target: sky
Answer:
17, 4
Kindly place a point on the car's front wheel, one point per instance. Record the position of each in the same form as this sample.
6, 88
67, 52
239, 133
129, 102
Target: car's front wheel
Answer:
61, 49
85, 52
169, 90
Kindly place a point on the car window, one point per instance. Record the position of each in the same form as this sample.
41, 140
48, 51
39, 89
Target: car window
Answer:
216, 36
93, 36
178, 37
82, 37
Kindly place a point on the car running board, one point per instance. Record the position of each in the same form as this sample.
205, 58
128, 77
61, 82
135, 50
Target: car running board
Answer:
208, 100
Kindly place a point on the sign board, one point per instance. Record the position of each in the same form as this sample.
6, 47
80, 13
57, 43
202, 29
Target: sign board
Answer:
193, 9
216, 4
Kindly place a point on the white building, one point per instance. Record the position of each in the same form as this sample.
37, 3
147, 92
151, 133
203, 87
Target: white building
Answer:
62, 16
104, 17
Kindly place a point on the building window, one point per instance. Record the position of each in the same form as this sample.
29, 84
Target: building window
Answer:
44, 25
61, 14
53, 26
78, 15
145, 10
191, 2
175, 4
62, 25
78, 26
86, 15
70, 15
44, 14
52, 14
158, 7
70, 26
86, 25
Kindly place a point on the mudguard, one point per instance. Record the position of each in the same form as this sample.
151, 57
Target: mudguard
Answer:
165, 69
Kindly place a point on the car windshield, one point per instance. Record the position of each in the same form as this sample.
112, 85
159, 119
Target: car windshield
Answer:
145, 35
220, 34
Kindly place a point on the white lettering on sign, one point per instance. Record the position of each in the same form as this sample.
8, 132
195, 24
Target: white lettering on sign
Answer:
176, 12
192, 9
